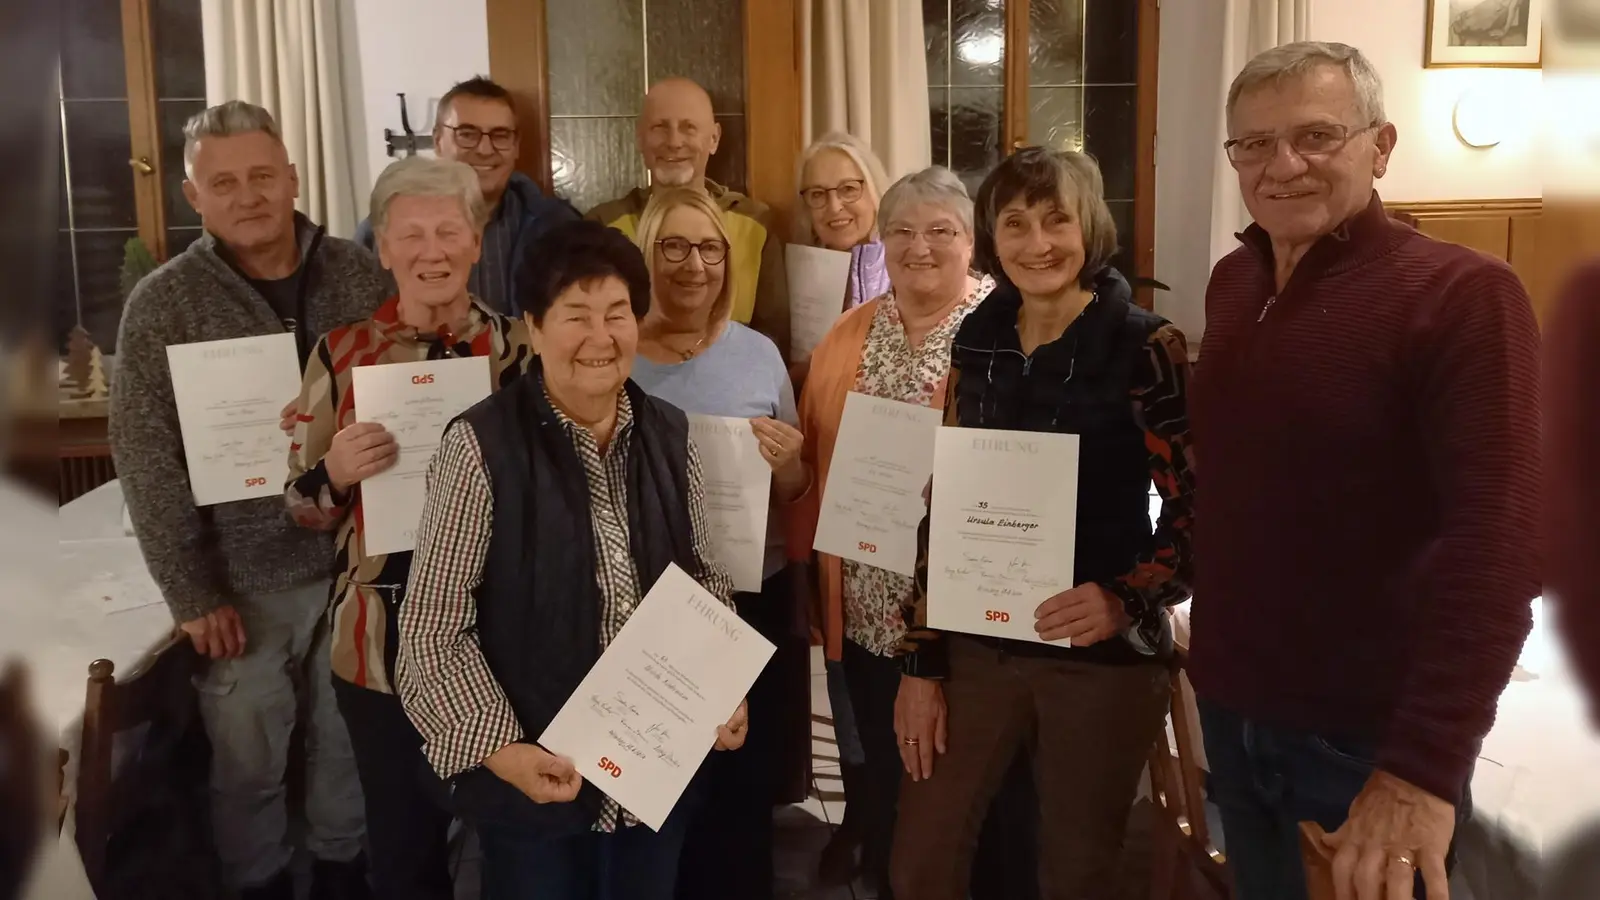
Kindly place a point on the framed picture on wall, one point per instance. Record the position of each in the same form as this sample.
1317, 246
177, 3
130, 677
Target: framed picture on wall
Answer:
1503, 33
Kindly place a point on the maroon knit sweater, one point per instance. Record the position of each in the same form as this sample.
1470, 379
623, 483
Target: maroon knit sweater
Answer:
1572, 501
1367, 512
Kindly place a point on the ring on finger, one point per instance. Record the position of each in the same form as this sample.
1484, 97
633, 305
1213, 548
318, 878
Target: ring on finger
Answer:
1405, 860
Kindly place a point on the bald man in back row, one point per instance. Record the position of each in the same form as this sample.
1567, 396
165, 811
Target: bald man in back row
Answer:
677, 135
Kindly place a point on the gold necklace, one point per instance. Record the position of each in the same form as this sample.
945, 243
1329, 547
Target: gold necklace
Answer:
692, 352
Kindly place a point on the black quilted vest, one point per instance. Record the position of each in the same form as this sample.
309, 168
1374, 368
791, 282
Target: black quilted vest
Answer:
538, 605
1078, 384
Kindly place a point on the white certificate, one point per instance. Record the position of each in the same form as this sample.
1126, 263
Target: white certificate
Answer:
646, 715
414, 402
738, 491
818, 279
1003, 526
872, 503
229, 395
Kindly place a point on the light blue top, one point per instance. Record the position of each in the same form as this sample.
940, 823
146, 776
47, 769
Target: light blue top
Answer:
741, 376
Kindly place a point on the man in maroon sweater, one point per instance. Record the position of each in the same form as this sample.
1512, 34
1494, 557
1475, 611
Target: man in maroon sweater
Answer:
1366, 424
1572, 431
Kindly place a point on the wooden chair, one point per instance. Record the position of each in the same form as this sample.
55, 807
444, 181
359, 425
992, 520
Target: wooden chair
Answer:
153, 710
1182, 842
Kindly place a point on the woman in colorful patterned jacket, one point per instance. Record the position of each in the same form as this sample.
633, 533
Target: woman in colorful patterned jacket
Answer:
1058, 347
428, 216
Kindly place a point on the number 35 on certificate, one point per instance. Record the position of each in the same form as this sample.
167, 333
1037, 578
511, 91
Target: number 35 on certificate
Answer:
1002, 528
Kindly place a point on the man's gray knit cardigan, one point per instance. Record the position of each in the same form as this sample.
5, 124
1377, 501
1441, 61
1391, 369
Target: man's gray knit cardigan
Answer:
205, 557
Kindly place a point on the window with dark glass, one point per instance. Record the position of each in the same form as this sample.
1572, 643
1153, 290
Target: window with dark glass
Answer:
100, 222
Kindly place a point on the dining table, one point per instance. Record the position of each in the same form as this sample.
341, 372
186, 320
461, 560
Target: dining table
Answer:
84, 596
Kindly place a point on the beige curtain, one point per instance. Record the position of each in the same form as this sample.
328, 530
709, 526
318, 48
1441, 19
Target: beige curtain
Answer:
284, 55
1251, 27
864, 71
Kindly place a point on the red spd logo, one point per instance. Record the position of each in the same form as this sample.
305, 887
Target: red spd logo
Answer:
254, 482
422, 379
995, 615
865, 547
606, 765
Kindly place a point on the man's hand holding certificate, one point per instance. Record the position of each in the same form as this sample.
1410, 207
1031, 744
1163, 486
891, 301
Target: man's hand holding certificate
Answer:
872, 504
1002, 529
667, 689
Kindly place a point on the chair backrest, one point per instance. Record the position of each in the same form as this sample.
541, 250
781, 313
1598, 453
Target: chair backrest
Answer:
157, 695
1176, 779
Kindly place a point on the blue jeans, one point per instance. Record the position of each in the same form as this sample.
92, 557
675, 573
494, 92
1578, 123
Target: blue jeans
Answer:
629, 864
1266, 780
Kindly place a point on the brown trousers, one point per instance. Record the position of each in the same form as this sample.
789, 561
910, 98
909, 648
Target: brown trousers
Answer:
1088, 729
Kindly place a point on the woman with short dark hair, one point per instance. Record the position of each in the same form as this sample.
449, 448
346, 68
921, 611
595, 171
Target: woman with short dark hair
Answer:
553, 507
1059, 347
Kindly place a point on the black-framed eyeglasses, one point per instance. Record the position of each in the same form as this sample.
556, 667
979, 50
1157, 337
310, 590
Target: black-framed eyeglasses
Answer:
676, 249
469, 137
1307, 140
849, 191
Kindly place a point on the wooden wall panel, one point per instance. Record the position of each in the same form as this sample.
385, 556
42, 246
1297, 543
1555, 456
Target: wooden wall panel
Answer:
772, 104
1542, 242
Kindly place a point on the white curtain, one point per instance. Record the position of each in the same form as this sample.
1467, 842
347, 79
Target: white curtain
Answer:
864, 71
1252, 26
284, 55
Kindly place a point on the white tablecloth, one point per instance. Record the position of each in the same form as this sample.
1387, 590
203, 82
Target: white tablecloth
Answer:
91, 599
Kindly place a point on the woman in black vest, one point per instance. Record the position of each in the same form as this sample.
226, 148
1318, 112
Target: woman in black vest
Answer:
553, 507
1059, 346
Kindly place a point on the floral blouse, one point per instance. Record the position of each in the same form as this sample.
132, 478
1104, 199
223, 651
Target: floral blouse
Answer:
874, 598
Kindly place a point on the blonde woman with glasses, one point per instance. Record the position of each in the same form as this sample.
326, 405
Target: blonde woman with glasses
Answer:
692, 355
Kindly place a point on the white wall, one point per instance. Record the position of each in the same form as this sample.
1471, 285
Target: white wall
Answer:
415, 47
1430, 163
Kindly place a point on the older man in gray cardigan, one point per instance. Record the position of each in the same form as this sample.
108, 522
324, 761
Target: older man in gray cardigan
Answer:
247, 586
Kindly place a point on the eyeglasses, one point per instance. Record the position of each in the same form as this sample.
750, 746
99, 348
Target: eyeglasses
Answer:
676, 250
937, 236
468, 137
848, 191
1308, 140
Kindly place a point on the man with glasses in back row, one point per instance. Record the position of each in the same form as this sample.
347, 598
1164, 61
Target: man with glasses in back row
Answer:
476, 124
1366, 413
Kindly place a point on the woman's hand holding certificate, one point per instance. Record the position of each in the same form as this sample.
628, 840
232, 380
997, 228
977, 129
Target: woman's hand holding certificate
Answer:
543, 776
1002, 530
658, 700
1087, 614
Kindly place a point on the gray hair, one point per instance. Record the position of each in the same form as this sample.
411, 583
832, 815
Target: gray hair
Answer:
935, 185
426, 176
1299, 59
859, 153
225, 120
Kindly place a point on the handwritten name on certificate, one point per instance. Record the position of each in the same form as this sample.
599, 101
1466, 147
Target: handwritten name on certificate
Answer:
414, 402
738, 491
646, 715
1002, 528
872, 503
229, 394
817, 281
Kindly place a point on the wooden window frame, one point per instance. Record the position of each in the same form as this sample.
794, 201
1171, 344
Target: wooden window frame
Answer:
519, 62
144, 126
1014, 126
